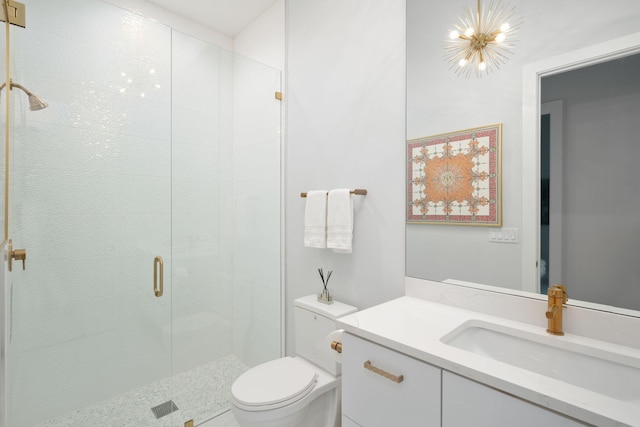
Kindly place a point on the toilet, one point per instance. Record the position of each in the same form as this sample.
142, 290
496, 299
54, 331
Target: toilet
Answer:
296, 391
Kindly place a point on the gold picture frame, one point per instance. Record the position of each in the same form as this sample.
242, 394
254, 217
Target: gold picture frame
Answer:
455, 178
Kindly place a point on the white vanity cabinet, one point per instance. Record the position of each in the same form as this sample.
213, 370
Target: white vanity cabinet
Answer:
468, 403
382, 388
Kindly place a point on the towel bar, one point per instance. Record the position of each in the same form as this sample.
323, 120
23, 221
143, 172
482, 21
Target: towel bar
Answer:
357, 192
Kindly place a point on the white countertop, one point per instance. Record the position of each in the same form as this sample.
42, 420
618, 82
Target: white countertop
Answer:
414, 327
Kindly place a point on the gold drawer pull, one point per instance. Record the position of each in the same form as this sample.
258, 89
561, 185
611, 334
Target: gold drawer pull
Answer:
395, 378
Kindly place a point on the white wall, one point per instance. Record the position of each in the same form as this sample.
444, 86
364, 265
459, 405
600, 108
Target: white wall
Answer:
180, 23
264, 39
345, 116
439, 101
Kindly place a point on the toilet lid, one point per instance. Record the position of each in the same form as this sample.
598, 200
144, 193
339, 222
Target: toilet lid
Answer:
273, 384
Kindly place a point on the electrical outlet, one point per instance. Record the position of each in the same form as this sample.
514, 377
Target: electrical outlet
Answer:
504, 235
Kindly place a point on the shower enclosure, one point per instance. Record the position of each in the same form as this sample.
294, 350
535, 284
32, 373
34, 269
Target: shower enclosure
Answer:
155, 146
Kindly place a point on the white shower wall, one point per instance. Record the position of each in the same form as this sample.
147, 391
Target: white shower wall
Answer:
145, 150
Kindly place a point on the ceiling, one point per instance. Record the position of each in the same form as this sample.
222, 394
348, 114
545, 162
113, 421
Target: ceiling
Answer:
229, 17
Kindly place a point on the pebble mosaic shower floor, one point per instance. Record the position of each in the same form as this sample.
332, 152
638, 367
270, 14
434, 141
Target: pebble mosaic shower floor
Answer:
199, 394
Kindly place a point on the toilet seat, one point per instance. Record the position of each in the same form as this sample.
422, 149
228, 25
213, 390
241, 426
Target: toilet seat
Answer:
273, 384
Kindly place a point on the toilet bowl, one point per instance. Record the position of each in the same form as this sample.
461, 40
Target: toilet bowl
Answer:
296, 391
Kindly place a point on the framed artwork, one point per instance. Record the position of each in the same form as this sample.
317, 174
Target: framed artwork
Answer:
455, 178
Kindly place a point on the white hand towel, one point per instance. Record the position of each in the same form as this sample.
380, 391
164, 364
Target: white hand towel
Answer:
315, 219
340, 221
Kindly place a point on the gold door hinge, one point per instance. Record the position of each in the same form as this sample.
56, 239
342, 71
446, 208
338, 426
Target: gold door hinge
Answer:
188, 423
279, 96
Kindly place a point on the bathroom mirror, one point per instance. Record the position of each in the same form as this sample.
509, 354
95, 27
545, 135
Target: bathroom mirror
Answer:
439, 101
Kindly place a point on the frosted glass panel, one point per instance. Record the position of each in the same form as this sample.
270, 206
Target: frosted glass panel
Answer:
201, 243
256, 212
225, 216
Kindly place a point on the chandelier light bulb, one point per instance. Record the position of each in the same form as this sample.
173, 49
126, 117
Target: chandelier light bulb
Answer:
468, 32
454, 35
482, 66
505, 27
462, 62
500, 37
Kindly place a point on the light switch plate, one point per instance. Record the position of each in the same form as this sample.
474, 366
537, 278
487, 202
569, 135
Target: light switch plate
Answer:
504, 235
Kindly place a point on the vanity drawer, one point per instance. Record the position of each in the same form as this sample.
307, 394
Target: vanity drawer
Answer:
468, 403
381, 387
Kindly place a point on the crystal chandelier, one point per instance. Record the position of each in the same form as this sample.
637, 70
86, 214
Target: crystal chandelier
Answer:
481, 40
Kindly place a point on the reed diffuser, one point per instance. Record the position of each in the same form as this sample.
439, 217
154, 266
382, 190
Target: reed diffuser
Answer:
326, 295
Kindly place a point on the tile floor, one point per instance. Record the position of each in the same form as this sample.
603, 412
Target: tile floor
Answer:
200, 394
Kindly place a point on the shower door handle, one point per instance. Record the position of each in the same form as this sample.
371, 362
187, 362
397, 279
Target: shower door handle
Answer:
158, 276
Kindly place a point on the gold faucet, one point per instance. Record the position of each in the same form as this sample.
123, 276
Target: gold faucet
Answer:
557, 297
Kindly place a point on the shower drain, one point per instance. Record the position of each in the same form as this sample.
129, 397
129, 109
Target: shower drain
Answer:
164, 409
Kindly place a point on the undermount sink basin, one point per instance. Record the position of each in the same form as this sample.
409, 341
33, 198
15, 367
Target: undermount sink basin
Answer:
588, 365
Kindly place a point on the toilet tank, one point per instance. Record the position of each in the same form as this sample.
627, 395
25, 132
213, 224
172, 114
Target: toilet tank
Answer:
313, 322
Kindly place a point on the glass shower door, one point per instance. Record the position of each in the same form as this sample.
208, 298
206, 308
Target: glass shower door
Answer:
91, 203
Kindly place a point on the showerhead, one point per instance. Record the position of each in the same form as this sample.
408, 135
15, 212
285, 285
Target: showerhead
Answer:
35, 103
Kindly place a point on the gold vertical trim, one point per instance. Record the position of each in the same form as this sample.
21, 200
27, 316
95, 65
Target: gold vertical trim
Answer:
5, 7
15, 11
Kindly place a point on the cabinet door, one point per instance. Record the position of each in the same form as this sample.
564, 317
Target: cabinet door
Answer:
468, 403
374, 395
